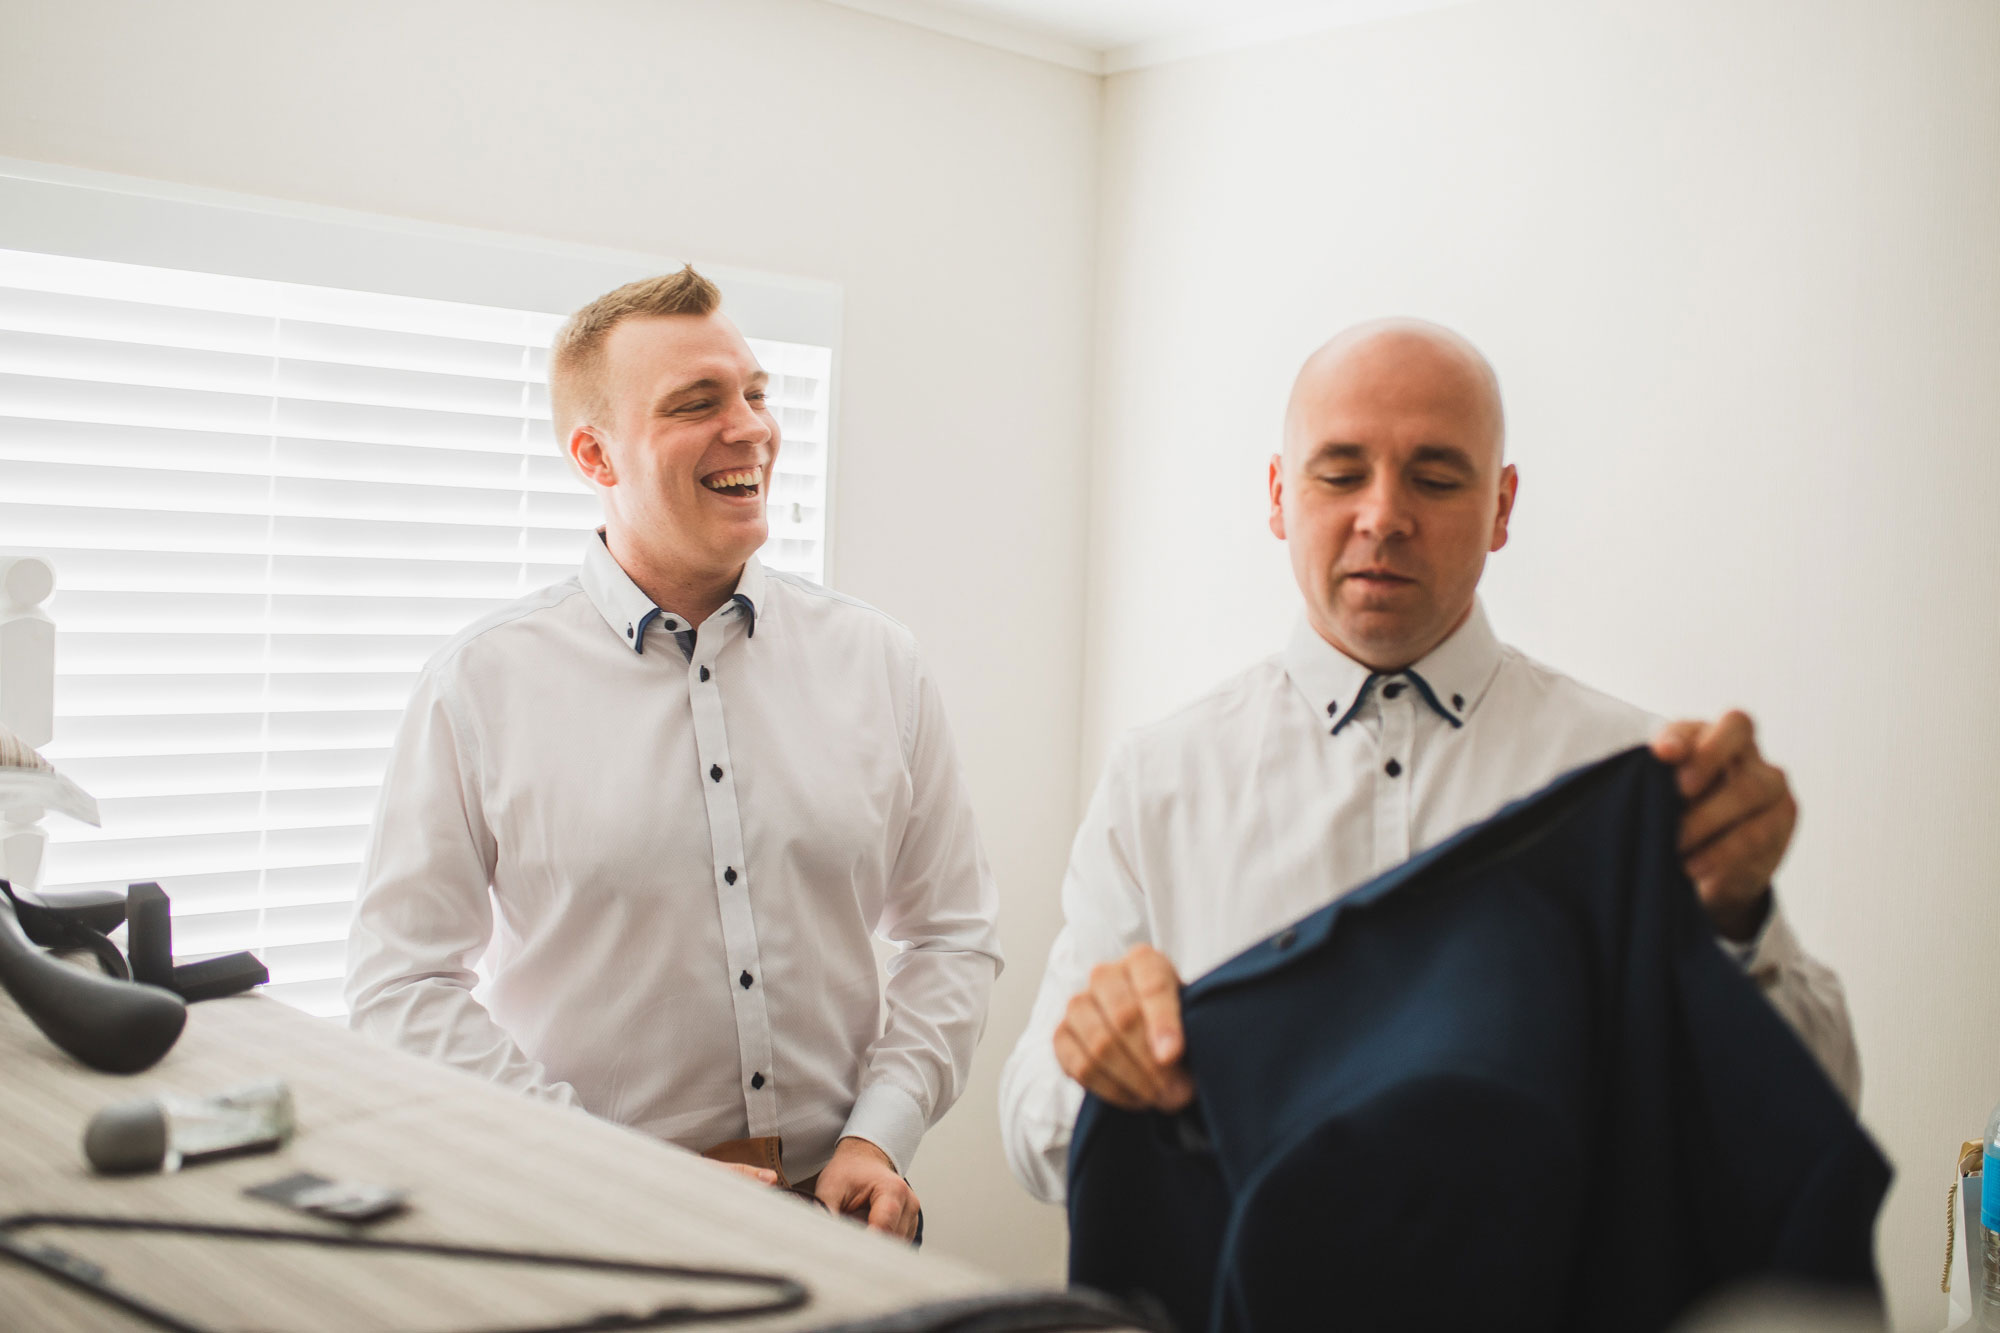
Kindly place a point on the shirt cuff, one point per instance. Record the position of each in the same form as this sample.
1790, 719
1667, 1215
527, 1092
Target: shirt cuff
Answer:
890, 1119
1749, 953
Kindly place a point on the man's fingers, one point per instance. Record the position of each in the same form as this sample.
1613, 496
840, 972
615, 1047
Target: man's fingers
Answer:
913, 1213
832, 1191
1085, 1069
1675, 741
1158, 988
1109, 1023
762, 1175
1716, 749
1732, 737
1121, 1038
1743, 794
1118, 1006
1745, 857
886, 1212
1099, 1039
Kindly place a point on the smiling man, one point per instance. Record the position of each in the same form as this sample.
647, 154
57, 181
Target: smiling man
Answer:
672, 801
1393, 719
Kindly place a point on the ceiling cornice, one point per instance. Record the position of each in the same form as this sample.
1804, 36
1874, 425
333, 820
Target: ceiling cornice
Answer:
1019, 39
1297, 20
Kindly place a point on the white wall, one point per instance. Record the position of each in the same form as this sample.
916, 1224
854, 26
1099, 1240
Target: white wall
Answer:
1736, 263
948, 187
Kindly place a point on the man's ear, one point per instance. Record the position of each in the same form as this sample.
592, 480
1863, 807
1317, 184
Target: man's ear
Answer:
1277, 486
589, 457
1510, 483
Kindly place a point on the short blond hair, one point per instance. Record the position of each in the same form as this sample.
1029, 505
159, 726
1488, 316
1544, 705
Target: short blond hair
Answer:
576, 361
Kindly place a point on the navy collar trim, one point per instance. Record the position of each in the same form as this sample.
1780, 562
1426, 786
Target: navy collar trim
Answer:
1423, 688
630, 613
1452, 678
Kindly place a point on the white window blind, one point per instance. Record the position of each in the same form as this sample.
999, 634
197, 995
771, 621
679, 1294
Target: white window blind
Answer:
267, 504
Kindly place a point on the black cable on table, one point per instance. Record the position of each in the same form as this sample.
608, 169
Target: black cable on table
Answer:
787, 1293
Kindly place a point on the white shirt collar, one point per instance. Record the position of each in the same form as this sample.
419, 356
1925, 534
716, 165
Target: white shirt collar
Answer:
630, 613
1452, 677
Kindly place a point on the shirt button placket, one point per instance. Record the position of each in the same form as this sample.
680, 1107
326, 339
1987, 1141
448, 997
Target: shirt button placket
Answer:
732, 885
1393, 780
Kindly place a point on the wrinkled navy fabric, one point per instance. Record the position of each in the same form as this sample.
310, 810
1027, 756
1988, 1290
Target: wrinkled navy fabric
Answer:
1512, 1084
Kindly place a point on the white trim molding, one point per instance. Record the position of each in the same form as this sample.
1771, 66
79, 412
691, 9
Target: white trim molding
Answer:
1029, 39
1299, 21
59, 210
997, 33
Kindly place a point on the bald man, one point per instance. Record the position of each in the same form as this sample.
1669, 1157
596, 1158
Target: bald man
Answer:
1393, 719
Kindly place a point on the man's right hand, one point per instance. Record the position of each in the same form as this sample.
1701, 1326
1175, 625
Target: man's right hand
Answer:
1121, 1039
762, 1175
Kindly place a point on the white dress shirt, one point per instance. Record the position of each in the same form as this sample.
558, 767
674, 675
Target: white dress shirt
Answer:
673, 850
1302, 778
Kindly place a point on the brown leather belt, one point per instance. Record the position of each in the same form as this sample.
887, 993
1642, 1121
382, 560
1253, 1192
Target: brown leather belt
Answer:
766, 1152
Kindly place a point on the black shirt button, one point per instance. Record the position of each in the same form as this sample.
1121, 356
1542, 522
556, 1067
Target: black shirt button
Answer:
704, 673
745, 980
628, 631
1286, 939
1392, 689
1458, 701
729, 874
1393, 769
1333, 708
671, 624
715, 772
756, 1080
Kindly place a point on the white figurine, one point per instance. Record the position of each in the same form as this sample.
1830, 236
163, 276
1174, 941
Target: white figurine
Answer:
29, 784
27, 649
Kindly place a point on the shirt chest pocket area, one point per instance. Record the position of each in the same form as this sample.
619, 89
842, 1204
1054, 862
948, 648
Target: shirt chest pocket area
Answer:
616, 818
827, 812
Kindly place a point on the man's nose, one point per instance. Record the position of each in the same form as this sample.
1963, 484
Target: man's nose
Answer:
1384, 510
745, 425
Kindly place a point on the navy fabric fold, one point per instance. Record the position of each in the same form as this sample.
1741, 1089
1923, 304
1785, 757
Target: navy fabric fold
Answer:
1511, 1084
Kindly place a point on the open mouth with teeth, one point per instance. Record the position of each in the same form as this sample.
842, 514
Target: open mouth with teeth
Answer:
742, 482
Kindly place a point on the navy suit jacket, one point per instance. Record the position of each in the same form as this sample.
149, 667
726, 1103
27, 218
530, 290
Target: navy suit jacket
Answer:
1512, 1084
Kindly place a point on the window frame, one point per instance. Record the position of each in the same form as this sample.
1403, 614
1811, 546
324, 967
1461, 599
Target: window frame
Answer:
98, 215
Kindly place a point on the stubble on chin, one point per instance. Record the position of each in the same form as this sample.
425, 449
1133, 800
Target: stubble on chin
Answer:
1378, 635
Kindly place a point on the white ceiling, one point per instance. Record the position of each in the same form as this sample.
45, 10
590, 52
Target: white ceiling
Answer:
1105, 36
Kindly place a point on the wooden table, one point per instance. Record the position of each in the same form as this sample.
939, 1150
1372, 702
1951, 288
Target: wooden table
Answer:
485, 1167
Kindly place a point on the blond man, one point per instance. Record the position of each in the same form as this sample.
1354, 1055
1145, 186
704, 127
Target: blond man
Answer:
674, 799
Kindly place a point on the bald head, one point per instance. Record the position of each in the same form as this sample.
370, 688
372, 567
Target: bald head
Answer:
1392, 489
1411, 361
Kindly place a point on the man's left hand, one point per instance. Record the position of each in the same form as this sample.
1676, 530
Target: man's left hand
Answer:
1739, 817
862, 1182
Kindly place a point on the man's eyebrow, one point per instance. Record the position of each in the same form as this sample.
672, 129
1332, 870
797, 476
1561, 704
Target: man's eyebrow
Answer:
1336, 453
707, 384
1448, 454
